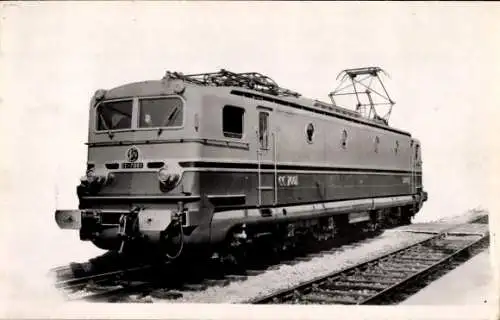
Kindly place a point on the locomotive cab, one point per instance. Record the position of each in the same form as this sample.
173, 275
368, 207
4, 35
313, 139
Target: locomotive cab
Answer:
134, 186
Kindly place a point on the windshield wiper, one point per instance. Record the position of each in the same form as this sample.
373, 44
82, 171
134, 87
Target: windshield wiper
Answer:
169, 119
110, 134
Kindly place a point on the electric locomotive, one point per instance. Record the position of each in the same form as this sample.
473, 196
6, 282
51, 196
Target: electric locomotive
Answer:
220, 159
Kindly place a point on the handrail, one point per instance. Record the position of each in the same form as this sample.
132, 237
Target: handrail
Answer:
275, 160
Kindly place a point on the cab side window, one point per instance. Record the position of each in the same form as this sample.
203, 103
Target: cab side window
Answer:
232, 121
264, 130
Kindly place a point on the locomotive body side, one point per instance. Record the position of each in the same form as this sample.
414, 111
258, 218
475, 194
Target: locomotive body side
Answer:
212, 164
285, 176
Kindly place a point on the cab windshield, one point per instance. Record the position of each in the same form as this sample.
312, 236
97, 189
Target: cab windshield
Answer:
152, 113
114, 115
160, 112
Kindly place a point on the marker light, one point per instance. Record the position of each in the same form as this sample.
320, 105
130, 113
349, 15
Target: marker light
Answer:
99, 94
178, 86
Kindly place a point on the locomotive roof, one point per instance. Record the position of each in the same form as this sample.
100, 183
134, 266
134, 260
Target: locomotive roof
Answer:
141, 88
252, 85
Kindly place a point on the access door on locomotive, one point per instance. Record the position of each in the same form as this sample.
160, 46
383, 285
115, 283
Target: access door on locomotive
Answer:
267, 174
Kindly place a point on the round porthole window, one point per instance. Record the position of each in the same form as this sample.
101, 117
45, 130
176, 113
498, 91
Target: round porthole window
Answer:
310, 132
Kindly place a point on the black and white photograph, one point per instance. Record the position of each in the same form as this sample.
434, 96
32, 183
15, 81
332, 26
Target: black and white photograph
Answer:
249, 160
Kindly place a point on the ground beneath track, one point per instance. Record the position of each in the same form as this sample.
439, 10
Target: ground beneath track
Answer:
469, 284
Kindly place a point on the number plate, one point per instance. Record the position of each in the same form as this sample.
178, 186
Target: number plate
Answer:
132, 165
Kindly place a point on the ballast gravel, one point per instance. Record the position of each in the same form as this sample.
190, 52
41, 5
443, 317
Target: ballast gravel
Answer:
465, 217
287, 276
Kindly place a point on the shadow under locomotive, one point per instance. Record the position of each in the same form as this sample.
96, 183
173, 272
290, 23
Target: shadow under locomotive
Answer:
215, 162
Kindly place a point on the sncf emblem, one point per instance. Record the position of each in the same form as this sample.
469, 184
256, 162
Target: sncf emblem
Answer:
132, 154
288, 181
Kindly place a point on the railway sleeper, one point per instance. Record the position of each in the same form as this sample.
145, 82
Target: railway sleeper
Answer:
421, 261
395, 270
425, 250
379, 279
316, 255
411, 264
194, 286
395, 267
355, 293
99, 283
440, 255
456, 247
166, 294
322, 299
254, 272
456, 239
216, 282
345, 285
385, 271
449, 251
303, 259
384, 275
372, 271
236, 277
422, 257
403, 263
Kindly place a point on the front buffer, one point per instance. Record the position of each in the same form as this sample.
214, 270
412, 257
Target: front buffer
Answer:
153, 227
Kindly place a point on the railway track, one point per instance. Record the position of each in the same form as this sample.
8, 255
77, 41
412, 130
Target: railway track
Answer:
105, 284
368, 283
97, 278
483, 219
384, 280
157, 281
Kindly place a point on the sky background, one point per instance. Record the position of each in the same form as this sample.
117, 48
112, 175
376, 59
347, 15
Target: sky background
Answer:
442, 59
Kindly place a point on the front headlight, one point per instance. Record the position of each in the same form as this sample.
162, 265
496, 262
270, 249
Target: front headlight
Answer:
169, 176
99, 176
89, 176
163, 175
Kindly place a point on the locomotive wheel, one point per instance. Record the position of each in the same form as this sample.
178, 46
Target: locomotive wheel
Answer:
233, 251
